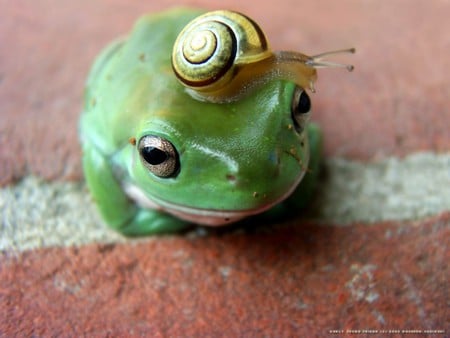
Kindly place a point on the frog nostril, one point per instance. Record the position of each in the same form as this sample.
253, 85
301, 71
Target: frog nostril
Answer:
231, 178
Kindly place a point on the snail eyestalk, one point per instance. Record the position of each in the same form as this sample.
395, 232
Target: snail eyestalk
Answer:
302, 69
316, 60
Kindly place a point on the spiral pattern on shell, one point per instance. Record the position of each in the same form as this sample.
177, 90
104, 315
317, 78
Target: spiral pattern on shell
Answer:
212, 44
206, 52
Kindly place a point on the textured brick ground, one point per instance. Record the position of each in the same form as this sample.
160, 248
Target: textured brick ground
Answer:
289, 280
295, 281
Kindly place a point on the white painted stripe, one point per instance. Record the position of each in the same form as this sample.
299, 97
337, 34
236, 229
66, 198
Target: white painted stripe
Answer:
39, 214
392, 189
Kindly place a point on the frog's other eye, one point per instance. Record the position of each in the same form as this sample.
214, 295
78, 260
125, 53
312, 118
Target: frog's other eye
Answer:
300, 110
159, 156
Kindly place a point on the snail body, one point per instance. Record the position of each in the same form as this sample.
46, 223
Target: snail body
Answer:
221, 55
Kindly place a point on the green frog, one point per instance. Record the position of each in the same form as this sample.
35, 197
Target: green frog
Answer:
193, 119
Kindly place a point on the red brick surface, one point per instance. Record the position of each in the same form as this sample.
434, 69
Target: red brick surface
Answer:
290, 281
395, 102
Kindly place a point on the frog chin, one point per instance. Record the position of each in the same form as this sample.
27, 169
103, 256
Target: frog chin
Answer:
210, 217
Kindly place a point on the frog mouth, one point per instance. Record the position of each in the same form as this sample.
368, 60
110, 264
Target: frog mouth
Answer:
209, 217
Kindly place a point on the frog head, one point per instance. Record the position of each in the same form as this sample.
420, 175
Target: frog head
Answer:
216, 163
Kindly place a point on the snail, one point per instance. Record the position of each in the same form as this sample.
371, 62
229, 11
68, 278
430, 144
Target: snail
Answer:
221, 55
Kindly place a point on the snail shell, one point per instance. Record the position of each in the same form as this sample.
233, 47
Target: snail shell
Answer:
211, 49
220, 55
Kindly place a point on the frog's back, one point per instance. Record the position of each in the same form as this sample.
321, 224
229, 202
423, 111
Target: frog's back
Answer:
124, 73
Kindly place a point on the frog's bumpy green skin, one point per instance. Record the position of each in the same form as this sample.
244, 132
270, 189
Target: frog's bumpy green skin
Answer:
237, 156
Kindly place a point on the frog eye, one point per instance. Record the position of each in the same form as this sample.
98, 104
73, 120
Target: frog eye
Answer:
159, 156
300, 110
